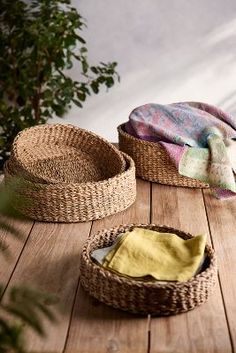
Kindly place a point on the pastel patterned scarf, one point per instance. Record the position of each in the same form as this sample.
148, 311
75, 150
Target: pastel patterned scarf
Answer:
199, 138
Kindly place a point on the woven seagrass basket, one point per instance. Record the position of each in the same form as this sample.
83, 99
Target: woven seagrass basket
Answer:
56, 153
156, 298
152, 162
74, 202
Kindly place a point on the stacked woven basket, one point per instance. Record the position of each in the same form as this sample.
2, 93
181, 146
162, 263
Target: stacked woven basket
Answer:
69, 175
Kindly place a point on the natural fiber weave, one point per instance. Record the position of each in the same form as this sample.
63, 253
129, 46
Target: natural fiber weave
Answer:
74, 202
55, 153
152, 161
144, 297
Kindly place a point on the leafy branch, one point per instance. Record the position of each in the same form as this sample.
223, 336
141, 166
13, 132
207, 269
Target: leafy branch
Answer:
40, 41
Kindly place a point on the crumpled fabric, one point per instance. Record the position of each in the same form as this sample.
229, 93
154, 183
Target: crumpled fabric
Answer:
143, 253
199, 138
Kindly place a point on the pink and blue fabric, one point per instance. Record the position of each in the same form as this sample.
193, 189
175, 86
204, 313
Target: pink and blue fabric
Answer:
199, 138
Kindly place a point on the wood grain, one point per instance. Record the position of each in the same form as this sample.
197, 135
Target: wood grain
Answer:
222, 220
14, 245
50, 262
203, 330
98, 328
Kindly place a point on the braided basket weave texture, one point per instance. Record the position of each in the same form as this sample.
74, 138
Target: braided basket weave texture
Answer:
69, 175
56, 153
74, 202
152, 161
156, 298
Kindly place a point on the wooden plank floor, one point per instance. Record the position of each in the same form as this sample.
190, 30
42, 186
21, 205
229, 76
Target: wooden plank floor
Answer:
49, 256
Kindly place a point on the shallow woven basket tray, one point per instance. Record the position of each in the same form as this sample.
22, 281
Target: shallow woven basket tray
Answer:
55, 153
156, 298
152, 162
74, 202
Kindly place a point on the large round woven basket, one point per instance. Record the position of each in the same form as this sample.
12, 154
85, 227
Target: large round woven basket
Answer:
73, 202
152, 162
153, 297
56, 153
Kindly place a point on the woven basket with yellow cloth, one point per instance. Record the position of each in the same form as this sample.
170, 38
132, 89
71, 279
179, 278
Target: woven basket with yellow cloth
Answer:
139, 296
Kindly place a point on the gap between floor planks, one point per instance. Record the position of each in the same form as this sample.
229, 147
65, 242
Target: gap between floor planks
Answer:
203, 330
43, 263
98, 328
221, 217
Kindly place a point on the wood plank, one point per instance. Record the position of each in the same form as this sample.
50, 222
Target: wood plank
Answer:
50, 262
205, 328
14, 245
222, 220
98, 328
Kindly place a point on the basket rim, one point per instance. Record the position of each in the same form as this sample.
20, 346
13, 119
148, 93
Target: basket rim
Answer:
152, 172
70, 126
23, 141
136, 139
130, 165
149, 284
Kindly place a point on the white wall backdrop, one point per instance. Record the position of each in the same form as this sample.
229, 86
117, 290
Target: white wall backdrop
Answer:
167, 51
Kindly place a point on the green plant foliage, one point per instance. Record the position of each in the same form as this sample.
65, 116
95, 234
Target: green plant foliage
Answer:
21, 306
26, 306
7, 195
11, 339
39, 40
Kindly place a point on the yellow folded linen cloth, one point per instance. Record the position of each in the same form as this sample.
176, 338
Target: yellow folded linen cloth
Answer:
164, 256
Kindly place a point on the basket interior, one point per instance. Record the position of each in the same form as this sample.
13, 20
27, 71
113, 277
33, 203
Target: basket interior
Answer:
69, 165
67, 154
110, 237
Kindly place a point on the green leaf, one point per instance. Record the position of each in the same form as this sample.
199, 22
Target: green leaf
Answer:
94, 69
83, 50
80, 39
81, 96
76, 102
94, 86
85, 66
69, 41
109, 82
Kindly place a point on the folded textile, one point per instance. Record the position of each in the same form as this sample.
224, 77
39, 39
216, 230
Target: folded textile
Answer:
198, 137
211, 165
143, 252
